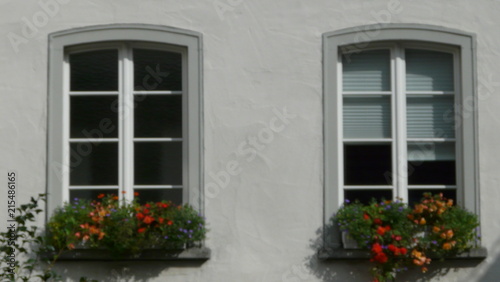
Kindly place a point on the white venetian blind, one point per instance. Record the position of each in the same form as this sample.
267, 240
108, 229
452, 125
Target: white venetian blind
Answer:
430, 117
428, 70
366, 71
431, 151
367, 117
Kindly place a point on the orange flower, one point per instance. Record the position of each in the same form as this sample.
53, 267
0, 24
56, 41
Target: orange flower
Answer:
136, 194
139, 216
148, 219
115, 198
449, 234
100, 196
101, 235
436, 229
365, 216
123, 192
424, 269
170, 222
422, 221
71, 246
77, 234
141, 230
86, 238
446, 246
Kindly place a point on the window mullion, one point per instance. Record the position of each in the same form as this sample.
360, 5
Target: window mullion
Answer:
401, 177
127, 123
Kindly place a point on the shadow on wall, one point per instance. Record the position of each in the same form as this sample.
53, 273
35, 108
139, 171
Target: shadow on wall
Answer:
123, 271
359, 270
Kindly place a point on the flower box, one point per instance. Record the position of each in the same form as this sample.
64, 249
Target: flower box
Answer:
348, 242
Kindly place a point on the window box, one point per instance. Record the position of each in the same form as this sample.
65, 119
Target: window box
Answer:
185, 254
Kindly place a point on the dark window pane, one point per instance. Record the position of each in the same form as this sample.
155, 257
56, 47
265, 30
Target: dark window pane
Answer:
367, 165
157, 195
415, 195
157, 70
431, 172
158, 116
94, 71
158, 163
93, 163
366, 196
89, 194
93, 117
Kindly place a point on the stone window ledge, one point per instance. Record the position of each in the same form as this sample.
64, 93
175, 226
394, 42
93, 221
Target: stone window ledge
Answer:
198, 254
479, 253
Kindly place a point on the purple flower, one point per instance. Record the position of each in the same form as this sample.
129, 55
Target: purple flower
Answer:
166, 237
434, 242
400, 209
347, 201
387, 207
189, 221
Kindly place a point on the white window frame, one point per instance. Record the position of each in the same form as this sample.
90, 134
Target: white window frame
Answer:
124, 38
415, 36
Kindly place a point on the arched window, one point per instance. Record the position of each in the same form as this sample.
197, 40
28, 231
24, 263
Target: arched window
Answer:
125, 114
399, 115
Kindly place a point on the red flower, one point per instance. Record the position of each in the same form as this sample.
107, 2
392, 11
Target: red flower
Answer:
136, 194
365, 216
376, 248
403, 251
148, 219
100, 196
141, 230
380, 257
381, 230
145, 211
160, 220
398, 238
377, 221
139, 216
164, 205
147, 205
170, 222
392, 248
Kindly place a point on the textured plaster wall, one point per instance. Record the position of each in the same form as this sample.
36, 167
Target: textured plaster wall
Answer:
260, 57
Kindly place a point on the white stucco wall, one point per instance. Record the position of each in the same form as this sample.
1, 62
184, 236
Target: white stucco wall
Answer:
260, 56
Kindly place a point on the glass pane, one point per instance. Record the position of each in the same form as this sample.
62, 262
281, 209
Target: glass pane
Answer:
367, 164
367, 71
429, 71
431, 151
415, 195
158, 116
366, 196
157, 70
430, 117
93, 117
367, 117
158, 163
93, 163
89, 194
436, 172
157, 195
94, 71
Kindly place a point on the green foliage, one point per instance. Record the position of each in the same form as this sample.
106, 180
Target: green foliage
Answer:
25, 246
398, 236
125, 228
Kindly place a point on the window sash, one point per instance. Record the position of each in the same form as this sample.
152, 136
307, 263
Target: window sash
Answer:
402, 114
126, 139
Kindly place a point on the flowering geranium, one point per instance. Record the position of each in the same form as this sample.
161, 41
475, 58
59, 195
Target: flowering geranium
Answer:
398, 237
124, 228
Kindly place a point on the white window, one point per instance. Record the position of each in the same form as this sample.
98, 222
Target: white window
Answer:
125, 114
398, 122
400, 119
